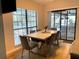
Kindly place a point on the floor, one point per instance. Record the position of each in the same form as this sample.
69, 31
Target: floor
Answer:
57, 52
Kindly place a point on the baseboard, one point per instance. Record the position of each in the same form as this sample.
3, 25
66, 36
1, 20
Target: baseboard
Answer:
14, 51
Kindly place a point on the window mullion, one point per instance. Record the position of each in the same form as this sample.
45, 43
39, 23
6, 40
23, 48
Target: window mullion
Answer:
26, 21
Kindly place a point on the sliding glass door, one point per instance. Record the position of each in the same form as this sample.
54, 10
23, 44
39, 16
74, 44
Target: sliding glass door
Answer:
63, 24
71, 24
55, 23
65, 21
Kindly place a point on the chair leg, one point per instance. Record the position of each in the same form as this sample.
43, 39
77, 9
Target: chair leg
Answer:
22, 52
57, 42
45, 57
29, 55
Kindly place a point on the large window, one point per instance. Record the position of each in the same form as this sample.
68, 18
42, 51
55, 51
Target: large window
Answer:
23, 22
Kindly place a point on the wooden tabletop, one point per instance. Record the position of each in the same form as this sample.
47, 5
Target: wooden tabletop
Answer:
42, 34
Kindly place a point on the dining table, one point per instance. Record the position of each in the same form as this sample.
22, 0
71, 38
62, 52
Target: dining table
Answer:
41, 35
41, 38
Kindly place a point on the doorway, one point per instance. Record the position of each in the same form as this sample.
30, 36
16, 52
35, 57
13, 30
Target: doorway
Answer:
65, 21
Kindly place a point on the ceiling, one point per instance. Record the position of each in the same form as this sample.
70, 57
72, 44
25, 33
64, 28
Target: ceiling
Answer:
43, 1
48, 1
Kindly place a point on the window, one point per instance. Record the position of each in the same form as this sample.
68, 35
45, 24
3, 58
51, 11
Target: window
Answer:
22, 23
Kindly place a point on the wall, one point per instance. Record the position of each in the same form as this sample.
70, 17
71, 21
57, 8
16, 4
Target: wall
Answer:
2, 39
8, 21
8, 31
65, 4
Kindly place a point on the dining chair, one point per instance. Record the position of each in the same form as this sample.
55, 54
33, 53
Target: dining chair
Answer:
30, 46
27, 45
38, 30
53, 29
51, 39
54, 39
41, 50
33, 39
32, 31
57, 37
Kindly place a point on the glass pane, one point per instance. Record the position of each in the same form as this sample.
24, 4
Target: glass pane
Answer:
19, 25
17, 40
71, 24
34, 14
19, 11
34, 28
16, 32
31, 13
23, 11
52, 20
31, 18
28, 13
29, 24
34, 19
63, 25
16, 37
19, 18
14, 17
20, 32
24, 24
34, 24
57, 20
15, 25
23, 18
24, 31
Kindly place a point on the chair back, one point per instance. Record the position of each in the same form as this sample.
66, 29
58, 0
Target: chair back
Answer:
24, 42
38, 30
53, 29
51, 38
55, 36
32, 31
58, 35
